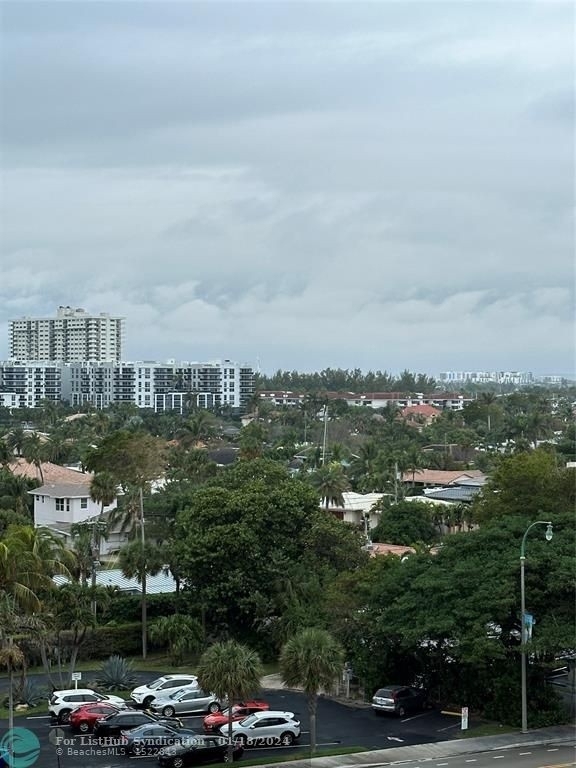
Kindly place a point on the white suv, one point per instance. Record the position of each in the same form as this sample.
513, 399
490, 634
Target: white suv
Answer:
263, 729
162, 686
61, 703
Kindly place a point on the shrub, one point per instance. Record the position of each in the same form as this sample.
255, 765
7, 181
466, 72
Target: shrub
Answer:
116, 674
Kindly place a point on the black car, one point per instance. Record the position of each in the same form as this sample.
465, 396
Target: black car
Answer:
399, 700
151, 738
126, 719
202, 749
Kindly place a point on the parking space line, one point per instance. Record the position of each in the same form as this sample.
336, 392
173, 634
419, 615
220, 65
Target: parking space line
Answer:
415, 717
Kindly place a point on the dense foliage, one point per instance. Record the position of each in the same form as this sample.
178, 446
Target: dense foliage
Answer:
258, 556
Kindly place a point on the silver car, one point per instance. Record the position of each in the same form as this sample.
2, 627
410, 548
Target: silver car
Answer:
185, 701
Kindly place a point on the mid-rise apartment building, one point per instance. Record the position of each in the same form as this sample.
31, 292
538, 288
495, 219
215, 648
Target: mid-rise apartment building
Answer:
171, 386
74, 335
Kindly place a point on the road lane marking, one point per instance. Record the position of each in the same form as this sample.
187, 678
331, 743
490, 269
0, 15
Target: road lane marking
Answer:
524, 753
415, 717
472, 760
38, 717
498, 757
448, 727
552, 749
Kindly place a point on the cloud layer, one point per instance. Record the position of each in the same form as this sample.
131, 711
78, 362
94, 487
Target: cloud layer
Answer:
295, 185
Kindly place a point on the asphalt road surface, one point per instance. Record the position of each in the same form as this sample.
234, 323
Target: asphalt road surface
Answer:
337, 724
542, 756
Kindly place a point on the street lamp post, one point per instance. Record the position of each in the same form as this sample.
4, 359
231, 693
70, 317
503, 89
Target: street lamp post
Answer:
523, 633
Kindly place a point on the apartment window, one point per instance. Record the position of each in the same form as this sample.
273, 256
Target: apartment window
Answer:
84, 503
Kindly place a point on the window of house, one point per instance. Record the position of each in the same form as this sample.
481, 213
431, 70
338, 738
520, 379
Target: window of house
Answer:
84, 503
63, 505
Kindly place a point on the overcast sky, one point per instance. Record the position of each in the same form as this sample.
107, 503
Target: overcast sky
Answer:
378, 185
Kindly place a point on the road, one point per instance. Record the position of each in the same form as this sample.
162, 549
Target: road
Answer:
561, 756
337, 725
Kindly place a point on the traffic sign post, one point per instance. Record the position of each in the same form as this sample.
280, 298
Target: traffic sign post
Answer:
464, 725
76, 676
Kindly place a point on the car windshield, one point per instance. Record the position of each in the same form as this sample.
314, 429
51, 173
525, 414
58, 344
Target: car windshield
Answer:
250, 720
157, 683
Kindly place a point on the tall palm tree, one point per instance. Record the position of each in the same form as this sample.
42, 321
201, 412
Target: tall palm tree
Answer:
312, 660
231, 671
138, 560
11, 655
103, 489
331, 482
36, 451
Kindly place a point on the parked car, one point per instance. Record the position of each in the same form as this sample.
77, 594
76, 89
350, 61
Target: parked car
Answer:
61, 703
203, 749
212, 723
186, 700
399, 699
145, 694
114, 724
149, 739
83, 719
265, 729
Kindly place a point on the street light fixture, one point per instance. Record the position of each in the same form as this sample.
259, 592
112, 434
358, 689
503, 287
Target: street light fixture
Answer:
523, 632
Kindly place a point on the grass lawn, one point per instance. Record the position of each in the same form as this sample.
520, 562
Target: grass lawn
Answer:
486, 729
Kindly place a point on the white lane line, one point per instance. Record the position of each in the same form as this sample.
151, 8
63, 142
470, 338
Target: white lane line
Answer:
414, 717
524, 753
472, 760
498, 757
553, 749
448, 727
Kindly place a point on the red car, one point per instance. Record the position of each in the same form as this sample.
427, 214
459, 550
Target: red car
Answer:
213, 723
83, 718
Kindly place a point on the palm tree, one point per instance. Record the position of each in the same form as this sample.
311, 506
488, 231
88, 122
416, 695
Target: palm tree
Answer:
36, 451
312, 660
232, 671
103, 489
331, 482
11, 655
138, 560
181, 633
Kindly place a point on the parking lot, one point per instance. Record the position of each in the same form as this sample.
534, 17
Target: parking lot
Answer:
337, 724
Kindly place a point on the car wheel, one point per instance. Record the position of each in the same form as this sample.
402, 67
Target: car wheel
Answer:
401, 711
64, 716
177, 762
83, 727
214, 707
287, 739
147, 701
168, 711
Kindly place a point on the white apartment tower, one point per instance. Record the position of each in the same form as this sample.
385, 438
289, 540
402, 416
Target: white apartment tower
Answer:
73, 336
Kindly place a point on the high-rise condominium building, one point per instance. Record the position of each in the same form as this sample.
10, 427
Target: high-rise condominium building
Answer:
74, 335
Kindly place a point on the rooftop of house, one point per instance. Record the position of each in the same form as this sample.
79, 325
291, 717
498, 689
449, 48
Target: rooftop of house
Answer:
381, 548
422, 409
162, 583
441, 477
51, 473
455, 493
63, 490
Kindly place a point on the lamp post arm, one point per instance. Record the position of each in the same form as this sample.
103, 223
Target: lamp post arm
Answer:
523, 547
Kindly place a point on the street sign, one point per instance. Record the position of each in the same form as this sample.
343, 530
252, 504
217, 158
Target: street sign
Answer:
464, 725
76, 676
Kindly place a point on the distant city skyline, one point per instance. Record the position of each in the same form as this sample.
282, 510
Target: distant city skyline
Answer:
381, 186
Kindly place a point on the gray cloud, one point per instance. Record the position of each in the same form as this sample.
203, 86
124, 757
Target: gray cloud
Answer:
380, 185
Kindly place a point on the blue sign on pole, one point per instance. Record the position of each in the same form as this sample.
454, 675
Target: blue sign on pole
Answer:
529, 622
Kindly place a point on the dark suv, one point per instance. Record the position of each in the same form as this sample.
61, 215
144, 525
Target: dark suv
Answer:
399, 700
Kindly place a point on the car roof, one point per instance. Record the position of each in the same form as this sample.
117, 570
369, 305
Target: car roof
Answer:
67, 691
273, 713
